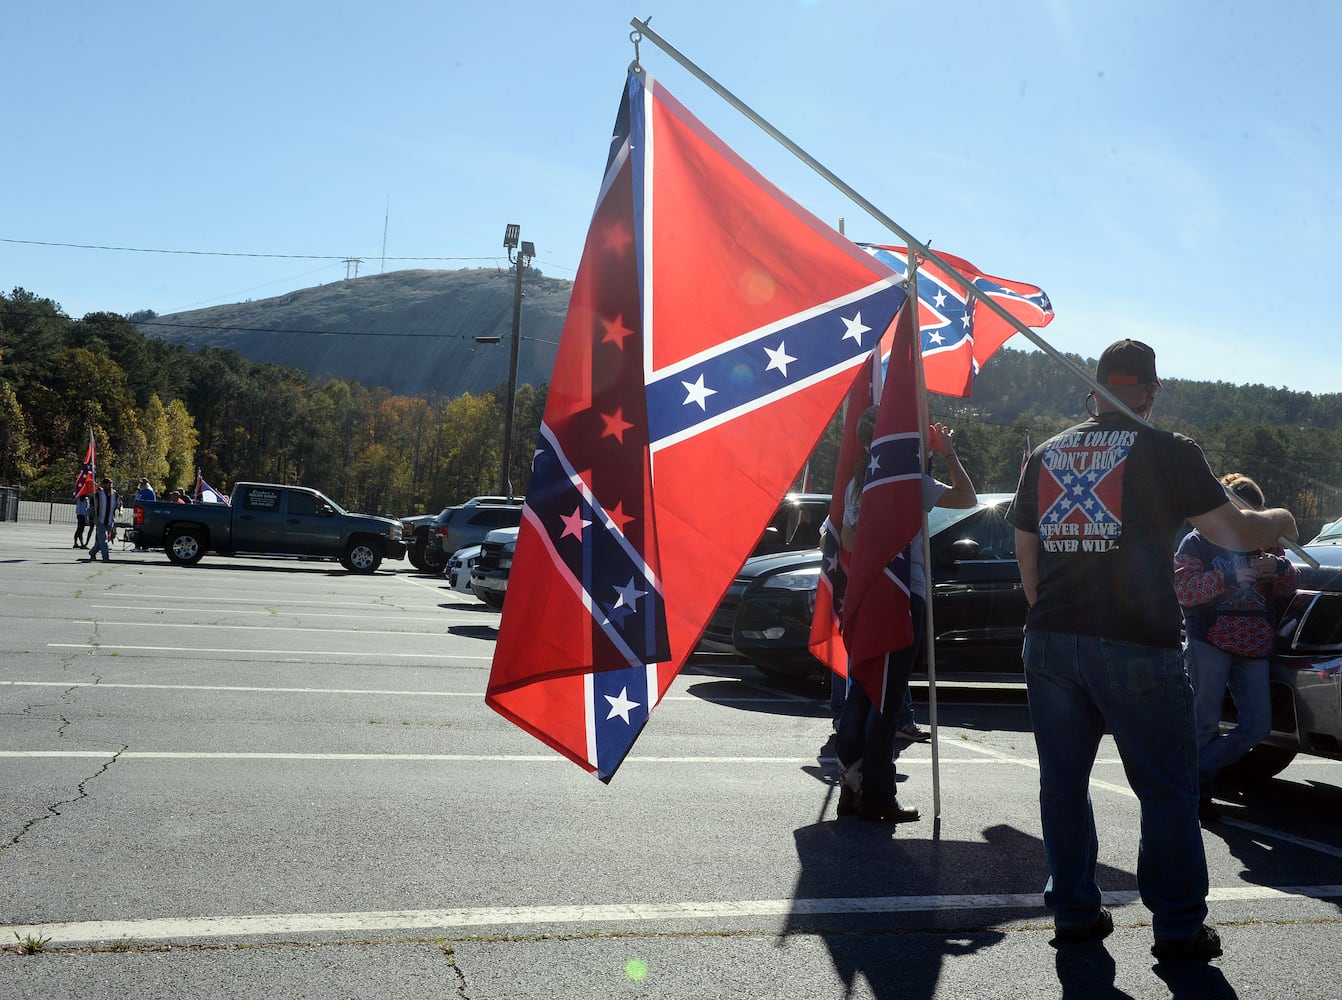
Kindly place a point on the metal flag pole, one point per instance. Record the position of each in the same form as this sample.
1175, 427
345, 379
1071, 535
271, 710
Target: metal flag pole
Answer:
641, 29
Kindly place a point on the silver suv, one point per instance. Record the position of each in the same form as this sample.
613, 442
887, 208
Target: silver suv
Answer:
468, 524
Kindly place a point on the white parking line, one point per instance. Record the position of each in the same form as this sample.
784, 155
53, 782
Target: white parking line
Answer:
86, 931
234, 651
362, 692
265, 601
1033, 763
745, 700
246, 689
345, 615
252, 628
1289, 838
547, 758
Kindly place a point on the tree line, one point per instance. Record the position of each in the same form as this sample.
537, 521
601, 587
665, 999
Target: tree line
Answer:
163, 411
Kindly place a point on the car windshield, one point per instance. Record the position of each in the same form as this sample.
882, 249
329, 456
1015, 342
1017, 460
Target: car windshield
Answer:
1330, 532
941, 518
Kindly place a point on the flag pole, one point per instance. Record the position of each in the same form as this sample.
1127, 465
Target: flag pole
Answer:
641, 29
929, 633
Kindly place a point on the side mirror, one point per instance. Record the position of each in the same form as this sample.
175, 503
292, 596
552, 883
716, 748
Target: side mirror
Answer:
960, 549
326, 510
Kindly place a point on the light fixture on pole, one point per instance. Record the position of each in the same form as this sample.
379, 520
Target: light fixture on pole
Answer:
512, 240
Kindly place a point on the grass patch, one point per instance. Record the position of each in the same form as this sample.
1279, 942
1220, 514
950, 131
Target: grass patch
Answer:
30, 944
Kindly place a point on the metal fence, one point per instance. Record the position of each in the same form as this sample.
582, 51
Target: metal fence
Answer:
49, 511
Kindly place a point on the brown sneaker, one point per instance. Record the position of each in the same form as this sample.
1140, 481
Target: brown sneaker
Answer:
1097, 930
1204, 945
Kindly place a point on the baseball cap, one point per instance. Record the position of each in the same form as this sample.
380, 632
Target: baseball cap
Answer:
1127, 362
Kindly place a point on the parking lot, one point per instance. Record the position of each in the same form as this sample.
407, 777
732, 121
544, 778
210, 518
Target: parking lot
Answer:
259, 778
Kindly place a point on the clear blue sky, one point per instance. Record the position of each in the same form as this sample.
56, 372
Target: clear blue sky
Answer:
1167, 171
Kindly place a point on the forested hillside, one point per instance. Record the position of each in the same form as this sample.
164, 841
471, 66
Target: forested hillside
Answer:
163, 410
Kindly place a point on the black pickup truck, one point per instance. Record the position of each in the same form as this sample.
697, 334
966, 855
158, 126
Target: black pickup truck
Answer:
268, 519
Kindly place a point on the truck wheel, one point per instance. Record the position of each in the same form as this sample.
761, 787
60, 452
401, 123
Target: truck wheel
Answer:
416, 557
433, 559
362, 556
184, 546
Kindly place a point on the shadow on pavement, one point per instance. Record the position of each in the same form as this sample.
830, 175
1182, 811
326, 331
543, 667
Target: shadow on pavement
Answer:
1193, 981
487, 632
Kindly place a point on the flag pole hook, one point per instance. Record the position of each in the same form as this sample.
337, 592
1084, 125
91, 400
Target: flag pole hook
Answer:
636, 36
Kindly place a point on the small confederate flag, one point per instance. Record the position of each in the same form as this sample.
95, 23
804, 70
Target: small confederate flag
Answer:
827, 621
876, 616
959, 335
85, 481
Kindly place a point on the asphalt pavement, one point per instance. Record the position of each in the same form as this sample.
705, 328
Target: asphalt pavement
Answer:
269, 778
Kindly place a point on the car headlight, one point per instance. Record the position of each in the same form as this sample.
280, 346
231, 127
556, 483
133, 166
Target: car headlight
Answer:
796, 579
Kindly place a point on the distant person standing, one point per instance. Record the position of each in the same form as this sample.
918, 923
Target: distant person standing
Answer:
104, 505
1096, 514
145, 494
1231, 602
81, 520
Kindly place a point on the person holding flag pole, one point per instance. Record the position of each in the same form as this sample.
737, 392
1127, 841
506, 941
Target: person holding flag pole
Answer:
884, 611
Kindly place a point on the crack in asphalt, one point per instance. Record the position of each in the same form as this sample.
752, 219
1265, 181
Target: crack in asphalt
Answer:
81, 790
450, 954
55, 808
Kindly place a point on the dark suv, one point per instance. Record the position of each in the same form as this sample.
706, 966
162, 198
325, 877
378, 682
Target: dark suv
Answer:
422, 547
468, 524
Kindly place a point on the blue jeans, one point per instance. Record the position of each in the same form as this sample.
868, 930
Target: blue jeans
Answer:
1078, 685
1212, 670
99, 542
868, 735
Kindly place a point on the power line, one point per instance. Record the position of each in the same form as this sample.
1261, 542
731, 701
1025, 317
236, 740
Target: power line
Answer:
217, 253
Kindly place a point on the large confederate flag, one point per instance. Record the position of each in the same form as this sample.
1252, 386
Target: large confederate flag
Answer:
713, 330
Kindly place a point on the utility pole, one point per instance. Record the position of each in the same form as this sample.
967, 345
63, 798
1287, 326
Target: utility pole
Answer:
512, 241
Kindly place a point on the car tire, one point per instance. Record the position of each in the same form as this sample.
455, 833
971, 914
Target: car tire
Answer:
416, 556
362, 555
184, 546
433, 559
1257, 767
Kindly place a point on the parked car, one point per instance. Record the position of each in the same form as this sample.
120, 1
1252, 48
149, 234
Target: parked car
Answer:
467, 524
424, 553
795, 528
416, 530
459, 566
1305, 673
795, 525
268, 519
978, 604
489, 575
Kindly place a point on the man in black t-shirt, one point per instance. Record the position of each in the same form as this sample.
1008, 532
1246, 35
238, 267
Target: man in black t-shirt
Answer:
1096, 514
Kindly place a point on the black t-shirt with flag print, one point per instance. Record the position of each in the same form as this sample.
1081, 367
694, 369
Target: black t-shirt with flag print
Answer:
1106, 500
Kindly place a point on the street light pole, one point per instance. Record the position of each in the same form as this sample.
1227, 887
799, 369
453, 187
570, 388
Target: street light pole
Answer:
511, 240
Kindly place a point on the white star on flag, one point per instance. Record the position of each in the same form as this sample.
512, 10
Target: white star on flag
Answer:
620, 706
855, 328
697, 392
628, 594
939, 299
779, 359
935, 338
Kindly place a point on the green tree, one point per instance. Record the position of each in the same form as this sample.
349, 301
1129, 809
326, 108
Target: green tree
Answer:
182, 440
15, 466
